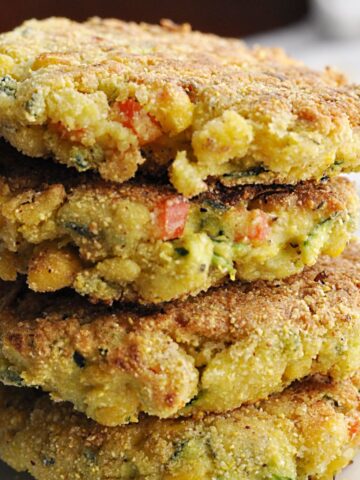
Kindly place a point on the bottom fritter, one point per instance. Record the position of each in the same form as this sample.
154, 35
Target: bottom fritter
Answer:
309, 431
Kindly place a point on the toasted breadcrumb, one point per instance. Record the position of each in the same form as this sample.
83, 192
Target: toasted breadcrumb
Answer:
117, 97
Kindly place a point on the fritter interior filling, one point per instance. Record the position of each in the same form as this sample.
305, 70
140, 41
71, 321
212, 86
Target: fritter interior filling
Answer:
142, 241
146, 243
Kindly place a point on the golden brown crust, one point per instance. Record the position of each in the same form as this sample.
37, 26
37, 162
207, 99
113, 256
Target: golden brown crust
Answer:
291, 121
317, 98
312, 429
261, 335
227, 313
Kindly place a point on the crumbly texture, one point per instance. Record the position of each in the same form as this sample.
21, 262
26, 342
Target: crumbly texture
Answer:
144, 242
187, 357
114, 97
312, 430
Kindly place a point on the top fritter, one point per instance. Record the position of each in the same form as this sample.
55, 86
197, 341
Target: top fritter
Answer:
113, 96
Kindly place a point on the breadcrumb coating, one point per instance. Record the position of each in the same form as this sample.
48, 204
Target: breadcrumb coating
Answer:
143, 242
212, 353
312, 430
117, 97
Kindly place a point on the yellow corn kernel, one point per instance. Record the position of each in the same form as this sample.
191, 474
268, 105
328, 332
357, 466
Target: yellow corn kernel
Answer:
30, 208
186, 176
6, 64
173, 109
51, 269
118, 270
53, 58
41, 207
222, 139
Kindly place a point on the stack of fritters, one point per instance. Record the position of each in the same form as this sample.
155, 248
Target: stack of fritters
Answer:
197, 219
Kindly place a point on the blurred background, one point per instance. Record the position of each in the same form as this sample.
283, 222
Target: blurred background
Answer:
226, 17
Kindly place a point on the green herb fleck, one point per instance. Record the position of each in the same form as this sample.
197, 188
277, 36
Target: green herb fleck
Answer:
250, 172
182, 251
82, 230
320, 224
216, 205
79, 359
34, 106
81, 162
48, 461
224, 265
8, 86
195, 399
178, 449
9, 377
90, 455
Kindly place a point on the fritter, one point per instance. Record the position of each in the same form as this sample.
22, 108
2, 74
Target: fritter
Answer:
312, 430
144, 242
212, 353
114, 97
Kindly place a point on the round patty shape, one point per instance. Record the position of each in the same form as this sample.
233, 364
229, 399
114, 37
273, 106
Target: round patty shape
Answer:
146, 243
311, 430
232, 345
114, 97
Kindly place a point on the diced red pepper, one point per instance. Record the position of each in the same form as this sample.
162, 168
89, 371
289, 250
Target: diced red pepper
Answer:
132, 115
127, 110
354, 428
257, 227
170, 217
65, 134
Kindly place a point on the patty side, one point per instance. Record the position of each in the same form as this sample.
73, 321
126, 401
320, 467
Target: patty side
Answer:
116, 97
232, 345
309, 431
144, 242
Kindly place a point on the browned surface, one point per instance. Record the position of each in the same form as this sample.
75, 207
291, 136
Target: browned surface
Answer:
32, 321
259, 81
319, 419
299, 123
163, 356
